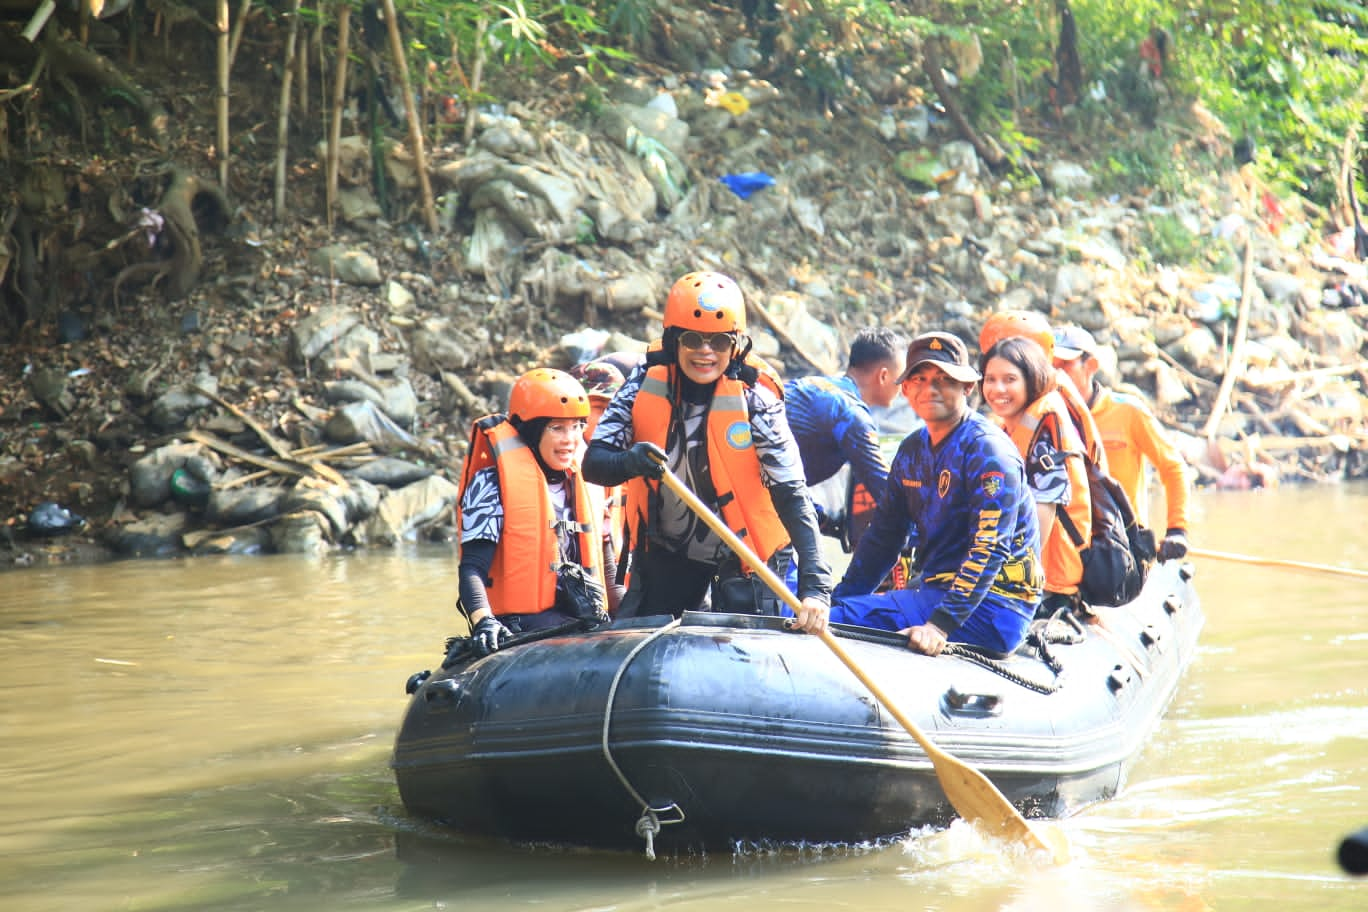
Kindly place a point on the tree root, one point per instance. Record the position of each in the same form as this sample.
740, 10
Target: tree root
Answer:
185, 198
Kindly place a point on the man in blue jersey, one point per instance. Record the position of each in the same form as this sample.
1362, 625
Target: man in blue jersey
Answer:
957, 494
831, 420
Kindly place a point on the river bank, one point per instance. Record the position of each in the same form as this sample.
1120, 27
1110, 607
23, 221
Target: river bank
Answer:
313, 391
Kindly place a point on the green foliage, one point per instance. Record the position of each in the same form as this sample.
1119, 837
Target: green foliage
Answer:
1287, 73
1283, 72
1168, 241
631, 20
446, 39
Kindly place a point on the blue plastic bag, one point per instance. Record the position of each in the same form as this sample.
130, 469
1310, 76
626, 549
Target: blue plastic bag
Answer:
746, 183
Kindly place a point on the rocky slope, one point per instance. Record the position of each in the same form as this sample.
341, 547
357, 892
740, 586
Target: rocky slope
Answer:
314, 387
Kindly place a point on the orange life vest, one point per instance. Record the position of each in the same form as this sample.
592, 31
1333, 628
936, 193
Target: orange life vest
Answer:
522, 579
1062, 562
744, 501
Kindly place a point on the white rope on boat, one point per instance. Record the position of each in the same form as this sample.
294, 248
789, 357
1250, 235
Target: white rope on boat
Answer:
650, 822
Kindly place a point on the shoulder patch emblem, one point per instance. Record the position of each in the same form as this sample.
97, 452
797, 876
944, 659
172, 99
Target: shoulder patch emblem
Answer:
739, 435
992, 483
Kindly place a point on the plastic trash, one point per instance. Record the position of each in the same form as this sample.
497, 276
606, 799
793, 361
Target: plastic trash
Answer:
584, 344
734, 102
664, 103
747, 182
50, 519
663, 168
189, 490
1217, 300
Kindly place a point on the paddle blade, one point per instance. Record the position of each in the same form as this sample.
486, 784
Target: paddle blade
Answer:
978, 801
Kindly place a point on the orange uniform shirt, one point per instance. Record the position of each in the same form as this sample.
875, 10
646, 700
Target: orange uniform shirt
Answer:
1131, 435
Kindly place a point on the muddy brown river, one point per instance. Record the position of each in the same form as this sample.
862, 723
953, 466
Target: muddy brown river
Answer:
213, 734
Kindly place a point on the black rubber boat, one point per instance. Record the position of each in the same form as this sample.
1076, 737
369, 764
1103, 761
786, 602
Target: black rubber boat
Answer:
722, 730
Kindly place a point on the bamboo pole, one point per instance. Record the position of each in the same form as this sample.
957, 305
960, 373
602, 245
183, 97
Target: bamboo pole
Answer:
339, 100
236, 41
222, 100
302, 74
472, 113
1276, 562
414, 123
1236, 365
283, 123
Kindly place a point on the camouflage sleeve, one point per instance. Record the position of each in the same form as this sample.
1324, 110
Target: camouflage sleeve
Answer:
615, 427
1047, 473
775, 446
481, 508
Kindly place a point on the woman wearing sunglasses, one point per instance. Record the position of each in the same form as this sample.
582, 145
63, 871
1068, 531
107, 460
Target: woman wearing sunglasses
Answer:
712, 413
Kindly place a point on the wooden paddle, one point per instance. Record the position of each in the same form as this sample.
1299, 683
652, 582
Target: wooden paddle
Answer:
1275, 562
971, 794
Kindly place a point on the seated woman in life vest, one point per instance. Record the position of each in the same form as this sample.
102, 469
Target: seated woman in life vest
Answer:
525, 511
1019, 386
707, 410
1032, 325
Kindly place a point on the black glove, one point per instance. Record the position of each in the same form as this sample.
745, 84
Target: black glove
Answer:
645, 460
827, 523
1174, 546
489, 634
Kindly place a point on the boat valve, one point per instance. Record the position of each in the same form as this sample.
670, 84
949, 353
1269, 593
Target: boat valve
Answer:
1150, 638
443, 691
416, 680
1119, 678
972, 704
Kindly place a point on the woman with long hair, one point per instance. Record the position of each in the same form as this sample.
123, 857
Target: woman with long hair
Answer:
1019, 386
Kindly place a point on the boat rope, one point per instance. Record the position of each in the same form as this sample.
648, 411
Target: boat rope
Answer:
650, 822
1037, 637
1000, 668
1061, 627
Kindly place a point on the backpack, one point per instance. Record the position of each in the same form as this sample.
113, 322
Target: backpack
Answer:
1119, 556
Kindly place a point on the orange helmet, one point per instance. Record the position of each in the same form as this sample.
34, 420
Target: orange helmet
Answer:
706, 302
546, 393
1009, 323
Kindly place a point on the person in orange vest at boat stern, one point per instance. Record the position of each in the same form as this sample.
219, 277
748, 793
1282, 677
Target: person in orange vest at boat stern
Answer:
1131, 435
956, 493
526, 514
1019, 386
716, 418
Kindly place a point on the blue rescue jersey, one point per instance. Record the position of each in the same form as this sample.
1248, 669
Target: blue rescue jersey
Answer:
833, 427
965, 507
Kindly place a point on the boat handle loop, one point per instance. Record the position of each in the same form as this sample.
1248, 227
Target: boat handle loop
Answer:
651, 820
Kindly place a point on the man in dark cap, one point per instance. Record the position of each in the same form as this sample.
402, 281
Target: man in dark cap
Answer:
957, 494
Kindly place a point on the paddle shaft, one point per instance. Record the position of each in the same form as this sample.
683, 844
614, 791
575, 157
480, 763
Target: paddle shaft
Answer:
969, 791
1275, 562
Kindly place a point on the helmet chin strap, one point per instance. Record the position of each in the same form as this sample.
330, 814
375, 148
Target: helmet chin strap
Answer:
739, 368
